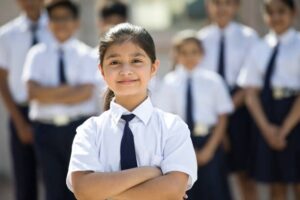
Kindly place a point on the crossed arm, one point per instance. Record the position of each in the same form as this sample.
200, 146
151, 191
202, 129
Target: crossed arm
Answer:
138, 183
64, 94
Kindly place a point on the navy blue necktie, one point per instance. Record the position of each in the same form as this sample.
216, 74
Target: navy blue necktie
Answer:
221, 63
33, 29
266, 95
271, 68
189, 105
127, 151
61, 65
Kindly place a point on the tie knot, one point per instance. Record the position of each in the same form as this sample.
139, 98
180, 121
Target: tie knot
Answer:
128, 118
60, 52
33, 27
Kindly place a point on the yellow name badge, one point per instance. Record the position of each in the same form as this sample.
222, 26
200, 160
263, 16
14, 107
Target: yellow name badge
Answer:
201, 130
61, 120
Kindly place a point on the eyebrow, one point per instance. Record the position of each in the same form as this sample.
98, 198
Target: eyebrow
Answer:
114, 55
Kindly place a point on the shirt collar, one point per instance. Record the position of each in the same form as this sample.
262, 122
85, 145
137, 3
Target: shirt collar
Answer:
142, 112
54, 44
25, 22
228, 30
284, 38
184, 73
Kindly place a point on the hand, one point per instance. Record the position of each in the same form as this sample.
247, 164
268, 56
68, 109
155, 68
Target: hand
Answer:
271, 132
204, 156
24, 132
226, 143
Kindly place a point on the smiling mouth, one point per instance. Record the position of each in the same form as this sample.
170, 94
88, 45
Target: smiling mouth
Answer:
125, 82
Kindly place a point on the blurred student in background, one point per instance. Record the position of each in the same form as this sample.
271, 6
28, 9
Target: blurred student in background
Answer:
16, 38
227, 44
271, 76
60, 80
200, 97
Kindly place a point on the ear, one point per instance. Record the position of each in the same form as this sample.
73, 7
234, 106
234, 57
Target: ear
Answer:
155, 67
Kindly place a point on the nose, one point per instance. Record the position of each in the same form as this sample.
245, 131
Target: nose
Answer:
126, 70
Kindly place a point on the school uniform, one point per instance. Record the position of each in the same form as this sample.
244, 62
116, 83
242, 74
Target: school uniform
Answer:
157, 139
225, 53
199, 97
52, 65
273, 66
16, 38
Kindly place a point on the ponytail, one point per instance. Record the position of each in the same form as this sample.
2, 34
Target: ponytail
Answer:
109, 95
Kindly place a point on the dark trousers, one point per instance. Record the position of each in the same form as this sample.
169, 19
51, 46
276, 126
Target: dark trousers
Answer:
24, 164
53, 148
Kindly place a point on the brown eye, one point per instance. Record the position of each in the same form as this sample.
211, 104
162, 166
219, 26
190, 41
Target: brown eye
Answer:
136, 61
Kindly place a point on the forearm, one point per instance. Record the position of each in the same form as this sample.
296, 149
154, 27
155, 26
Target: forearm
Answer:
293, 117
218, 133
95, 186
171, 186
79, 94
8, 101
59, 95
254, 104
239, 98
46, 95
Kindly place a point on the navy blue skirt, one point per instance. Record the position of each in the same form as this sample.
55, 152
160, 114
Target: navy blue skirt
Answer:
239, 136
212, 183
268, 165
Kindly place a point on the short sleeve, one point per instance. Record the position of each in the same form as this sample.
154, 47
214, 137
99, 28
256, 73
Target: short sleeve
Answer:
84, 156
164, 95
250, 75
4, 60
224, 104
32, 69
179, 154
88, 75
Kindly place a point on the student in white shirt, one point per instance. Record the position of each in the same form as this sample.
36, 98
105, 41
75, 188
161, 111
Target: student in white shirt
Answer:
227, 44
16, 38
60, 76
271, 76
133, 150
200, 97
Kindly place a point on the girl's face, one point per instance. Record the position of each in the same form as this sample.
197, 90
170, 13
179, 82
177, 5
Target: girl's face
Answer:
279, 17
222, 11
189, 54
127, 69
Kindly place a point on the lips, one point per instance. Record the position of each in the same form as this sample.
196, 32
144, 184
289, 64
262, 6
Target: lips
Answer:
127, 81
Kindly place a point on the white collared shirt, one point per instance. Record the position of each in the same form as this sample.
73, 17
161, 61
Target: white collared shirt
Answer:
287, 63
42, 66
238, 42
209, 93
15, 41
161, 139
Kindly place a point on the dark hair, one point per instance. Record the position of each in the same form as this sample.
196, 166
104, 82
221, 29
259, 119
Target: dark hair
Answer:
119, 34
181, 38
289, 3
67, 4
114, 7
